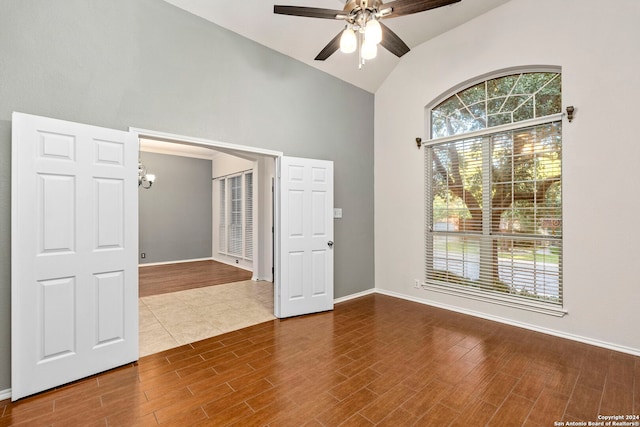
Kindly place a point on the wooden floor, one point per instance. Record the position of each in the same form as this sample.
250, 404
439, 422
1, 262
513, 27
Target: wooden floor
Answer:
375, 360
162, 279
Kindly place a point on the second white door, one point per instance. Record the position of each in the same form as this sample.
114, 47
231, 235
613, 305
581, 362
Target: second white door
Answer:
304, 269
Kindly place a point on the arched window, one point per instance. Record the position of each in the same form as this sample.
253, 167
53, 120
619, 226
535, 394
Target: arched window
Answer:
495, 102
494, 192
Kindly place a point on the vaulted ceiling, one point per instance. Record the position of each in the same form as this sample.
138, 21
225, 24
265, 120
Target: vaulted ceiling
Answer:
302, 38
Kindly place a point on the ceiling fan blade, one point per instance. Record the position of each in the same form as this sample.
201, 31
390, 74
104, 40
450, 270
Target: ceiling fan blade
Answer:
330, 48
392, 42
310, 12
407, 7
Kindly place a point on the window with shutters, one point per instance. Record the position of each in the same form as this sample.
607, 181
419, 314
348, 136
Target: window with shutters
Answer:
236, 215
494, 193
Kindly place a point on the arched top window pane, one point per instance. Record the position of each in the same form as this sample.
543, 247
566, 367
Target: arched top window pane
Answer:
496, 102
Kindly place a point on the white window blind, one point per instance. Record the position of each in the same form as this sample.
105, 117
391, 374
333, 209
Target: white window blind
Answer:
222, 223
235, 229
248, 216
235, 223
494, 220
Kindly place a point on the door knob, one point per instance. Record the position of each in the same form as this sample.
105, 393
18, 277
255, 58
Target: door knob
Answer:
330, 243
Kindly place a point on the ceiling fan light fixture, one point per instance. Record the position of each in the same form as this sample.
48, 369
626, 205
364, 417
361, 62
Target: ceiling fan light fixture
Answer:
373, 31
369, 50
364, 31
348, 41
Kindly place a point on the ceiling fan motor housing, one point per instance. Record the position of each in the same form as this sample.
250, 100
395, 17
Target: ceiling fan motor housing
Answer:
354, 6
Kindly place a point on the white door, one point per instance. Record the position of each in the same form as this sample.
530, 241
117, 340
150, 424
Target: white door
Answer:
304, 272
74, 227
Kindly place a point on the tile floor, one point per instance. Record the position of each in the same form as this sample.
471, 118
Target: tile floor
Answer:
174, 319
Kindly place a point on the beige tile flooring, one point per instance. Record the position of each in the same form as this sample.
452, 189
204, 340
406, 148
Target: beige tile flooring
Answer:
177, 318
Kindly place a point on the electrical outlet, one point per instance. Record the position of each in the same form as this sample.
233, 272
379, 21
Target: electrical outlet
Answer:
416, 284
143, 255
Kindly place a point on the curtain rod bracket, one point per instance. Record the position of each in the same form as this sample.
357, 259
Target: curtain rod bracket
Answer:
570, 111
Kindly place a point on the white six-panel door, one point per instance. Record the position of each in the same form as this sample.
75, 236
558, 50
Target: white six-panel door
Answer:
74, 252
304, 272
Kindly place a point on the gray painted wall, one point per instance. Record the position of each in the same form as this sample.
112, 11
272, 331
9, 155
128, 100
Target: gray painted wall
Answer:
175, 213
147, 64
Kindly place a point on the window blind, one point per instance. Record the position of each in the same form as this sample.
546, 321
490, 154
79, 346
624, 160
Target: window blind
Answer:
494, 214
222, 222
235, 220
248, 216
235, 229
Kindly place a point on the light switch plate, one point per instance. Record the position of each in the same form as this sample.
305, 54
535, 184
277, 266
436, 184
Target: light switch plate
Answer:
337, 212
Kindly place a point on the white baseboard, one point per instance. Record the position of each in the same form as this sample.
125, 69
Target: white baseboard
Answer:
181, 261
354, 296
233, 264
5, 394
585, 340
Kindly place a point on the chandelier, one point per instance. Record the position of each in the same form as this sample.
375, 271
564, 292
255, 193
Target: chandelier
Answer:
145, 180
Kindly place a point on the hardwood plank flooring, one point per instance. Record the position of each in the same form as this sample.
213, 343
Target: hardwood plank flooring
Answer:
375, 360
162, 279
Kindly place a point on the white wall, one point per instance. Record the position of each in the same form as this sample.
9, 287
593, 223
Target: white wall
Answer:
596, 45
263, 261
226, 164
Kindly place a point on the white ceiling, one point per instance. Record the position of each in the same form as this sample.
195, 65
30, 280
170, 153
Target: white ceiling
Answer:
302, 38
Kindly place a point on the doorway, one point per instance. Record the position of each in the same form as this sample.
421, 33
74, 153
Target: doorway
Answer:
226, 303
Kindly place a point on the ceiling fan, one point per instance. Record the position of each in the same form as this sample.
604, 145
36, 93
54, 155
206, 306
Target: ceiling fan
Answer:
363, 29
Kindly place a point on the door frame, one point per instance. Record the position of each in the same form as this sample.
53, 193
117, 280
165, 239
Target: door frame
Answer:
201, 142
